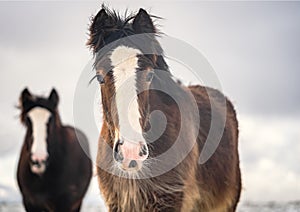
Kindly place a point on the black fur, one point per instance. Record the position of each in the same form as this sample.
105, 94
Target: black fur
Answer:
68, 172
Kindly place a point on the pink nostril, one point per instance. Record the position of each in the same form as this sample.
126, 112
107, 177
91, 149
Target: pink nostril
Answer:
117, 152
143, 151
39, 158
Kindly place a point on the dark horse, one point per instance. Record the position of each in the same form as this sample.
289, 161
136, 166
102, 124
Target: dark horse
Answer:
54, 172
148, 161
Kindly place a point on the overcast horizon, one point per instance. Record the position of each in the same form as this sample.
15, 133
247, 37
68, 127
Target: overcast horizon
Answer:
252, 46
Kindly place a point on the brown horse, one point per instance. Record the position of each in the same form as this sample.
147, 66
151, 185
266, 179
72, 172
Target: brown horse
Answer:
151, 141
54, 171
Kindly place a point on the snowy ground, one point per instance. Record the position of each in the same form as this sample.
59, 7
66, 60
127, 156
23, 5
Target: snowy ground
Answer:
269, 207
244, 207
18, 207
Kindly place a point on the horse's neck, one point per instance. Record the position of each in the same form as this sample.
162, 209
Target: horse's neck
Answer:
56, 141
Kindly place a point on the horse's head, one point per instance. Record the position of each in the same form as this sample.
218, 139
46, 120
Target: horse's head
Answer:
40, 117
125, 72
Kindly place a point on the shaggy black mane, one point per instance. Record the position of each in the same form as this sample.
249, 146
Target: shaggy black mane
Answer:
120, 21
117, 26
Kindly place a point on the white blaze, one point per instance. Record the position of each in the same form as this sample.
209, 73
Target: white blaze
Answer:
124, 61
39, 118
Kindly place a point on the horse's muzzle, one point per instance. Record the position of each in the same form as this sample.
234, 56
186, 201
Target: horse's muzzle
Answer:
38, 163
130, 155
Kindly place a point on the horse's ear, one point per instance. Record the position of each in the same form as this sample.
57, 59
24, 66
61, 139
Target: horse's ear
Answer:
25, 97
142, 23
99, 24
53, 97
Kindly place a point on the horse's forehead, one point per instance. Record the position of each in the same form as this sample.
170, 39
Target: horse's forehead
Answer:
124, 56
124, 62
39, 114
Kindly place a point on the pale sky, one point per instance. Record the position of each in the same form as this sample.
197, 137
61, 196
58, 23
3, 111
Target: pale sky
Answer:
253, 47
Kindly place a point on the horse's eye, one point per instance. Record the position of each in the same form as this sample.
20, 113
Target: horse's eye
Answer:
149, 76
100, 78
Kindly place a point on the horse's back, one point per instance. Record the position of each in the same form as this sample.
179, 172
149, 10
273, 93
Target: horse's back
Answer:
219, 177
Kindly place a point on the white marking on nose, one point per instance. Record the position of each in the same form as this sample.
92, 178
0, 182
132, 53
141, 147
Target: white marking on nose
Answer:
125, 62
39, 118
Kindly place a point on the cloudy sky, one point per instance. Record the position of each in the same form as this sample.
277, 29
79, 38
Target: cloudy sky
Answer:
253, 47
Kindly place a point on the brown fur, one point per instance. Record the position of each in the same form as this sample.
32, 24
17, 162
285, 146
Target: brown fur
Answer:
213, 186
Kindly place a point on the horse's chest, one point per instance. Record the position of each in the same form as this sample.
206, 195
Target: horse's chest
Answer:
135, 198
